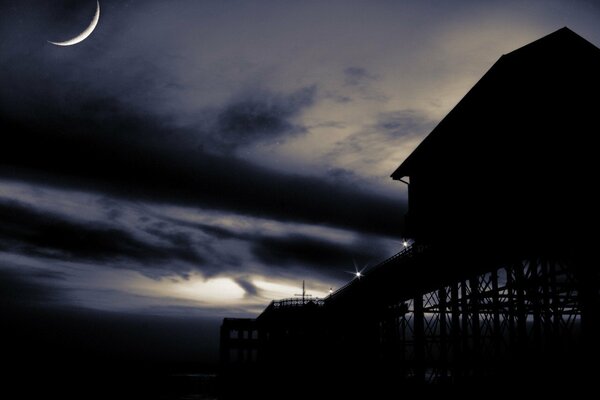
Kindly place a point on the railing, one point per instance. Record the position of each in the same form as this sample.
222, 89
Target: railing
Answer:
406, 252
294, 302
300, 302
297, 302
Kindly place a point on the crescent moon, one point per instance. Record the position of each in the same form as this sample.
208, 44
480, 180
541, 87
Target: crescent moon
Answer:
83, 35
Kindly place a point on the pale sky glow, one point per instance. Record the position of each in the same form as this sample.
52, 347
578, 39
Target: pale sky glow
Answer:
216, 292
280, 290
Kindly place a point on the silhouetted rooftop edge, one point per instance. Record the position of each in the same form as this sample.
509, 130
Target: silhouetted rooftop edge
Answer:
563, 40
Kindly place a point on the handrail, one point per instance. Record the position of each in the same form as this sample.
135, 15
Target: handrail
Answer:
300, 302
296, 302
406, 252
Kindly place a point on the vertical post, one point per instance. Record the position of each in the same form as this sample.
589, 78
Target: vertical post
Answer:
521, 307
511, 297
399, 311
465, 332
497, 334
555, 296
419, 342
476, 333
547, 306
455, 329
402, 342
443, 335
535, 298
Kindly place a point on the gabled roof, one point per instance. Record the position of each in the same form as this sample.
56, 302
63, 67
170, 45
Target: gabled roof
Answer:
547, 67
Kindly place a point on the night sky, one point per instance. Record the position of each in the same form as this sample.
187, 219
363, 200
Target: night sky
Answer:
193, 160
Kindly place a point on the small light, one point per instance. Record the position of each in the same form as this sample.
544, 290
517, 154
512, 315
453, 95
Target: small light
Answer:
405, 243
330, 290
358, 274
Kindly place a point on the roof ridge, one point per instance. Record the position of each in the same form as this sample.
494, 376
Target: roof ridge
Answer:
563, 39
563, 32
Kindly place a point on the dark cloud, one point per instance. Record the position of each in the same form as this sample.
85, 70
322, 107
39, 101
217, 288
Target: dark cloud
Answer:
177, 239
25, 289
183, 234
324, 255
355, 76
343, 175
404, 124
110, 149
215, 231
260, 116
248, 286
380, 139
293, 250
27, 231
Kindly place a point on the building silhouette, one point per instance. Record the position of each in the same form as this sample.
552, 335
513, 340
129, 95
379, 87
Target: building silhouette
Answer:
499, 286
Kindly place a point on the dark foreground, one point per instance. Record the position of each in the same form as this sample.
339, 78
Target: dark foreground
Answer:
90, 385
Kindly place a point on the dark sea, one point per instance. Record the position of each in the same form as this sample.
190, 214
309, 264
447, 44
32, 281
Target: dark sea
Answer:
189, 386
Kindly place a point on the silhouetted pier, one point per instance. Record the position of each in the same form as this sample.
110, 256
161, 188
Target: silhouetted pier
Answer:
500, 285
